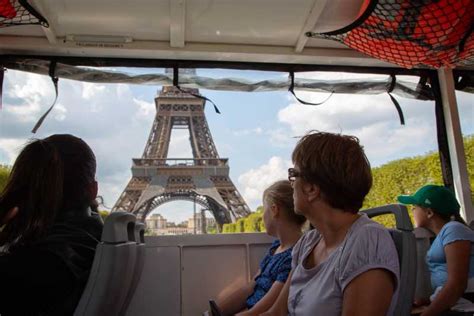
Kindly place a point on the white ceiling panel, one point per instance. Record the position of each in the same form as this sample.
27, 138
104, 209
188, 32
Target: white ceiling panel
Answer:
259, 22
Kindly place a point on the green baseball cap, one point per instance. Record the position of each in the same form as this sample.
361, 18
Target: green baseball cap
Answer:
436, 197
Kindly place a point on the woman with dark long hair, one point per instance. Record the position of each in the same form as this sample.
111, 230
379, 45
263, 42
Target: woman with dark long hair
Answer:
48, 227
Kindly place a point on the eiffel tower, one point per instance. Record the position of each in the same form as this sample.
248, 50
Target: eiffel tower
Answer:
203, 179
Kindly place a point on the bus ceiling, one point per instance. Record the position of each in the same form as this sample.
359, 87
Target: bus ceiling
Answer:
433, 40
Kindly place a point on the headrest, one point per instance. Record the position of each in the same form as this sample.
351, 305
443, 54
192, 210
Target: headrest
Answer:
140, 232
119, 227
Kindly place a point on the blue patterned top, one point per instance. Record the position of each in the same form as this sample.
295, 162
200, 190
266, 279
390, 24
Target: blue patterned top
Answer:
272, 268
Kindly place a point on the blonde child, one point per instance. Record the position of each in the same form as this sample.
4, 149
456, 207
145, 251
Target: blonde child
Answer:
281, 222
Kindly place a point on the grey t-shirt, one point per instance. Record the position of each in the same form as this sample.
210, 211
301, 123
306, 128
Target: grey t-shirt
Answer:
319, 291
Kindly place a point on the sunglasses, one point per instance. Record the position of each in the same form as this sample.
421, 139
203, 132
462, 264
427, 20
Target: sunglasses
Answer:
293, 174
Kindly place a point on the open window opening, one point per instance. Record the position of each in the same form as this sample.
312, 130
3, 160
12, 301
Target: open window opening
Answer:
248, 145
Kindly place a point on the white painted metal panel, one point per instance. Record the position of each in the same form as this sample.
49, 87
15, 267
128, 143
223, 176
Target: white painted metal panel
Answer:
260, 22
207, 271
182, 273
142, 20
158, 292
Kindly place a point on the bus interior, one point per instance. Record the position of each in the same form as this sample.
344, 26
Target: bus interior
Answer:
97, 41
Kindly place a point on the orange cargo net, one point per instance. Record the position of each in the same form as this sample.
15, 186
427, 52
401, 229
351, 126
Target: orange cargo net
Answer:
6, 9
411, 33
19, 12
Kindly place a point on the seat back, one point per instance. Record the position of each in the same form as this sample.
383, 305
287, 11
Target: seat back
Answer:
423, 277
405, 243
140, 262
112, 270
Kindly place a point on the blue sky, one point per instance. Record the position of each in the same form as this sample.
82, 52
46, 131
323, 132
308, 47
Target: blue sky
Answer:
256, 131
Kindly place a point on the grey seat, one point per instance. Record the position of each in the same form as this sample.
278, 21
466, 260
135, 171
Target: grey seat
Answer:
405, 243
140, 262
112, 270
423, 277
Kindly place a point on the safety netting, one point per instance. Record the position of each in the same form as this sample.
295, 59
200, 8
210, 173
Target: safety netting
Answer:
412, 33
19, 12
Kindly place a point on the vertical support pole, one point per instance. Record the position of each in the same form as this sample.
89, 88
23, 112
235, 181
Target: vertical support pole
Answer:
203, 222
455, 141
194, 216
443, 146
2, 73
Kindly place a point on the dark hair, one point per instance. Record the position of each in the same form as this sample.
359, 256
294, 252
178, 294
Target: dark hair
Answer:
338, 165
49, 177
281, 193
448, 217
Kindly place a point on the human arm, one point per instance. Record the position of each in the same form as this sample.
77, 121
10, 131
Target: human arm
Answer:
280, 306
370, 293
235, 301
265, 302
457, 259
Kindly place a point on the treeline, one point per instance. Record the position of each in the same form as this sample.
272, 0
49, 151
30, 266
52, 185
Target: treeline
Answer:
253, 223
403, 176
4, 172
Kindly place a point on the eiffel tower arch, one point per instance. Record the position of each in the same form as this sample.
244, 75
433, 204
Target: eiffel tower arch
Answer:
203, 179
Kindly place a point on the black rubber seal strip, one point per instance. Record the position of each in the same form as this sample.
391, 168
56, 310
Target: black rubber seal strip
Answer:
361, 19
35, 13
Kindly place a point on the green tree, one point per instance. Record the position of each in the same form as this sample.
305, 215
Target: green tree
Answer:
252, 223
240, 225
4, 173
212, 230
226, 228
405, 176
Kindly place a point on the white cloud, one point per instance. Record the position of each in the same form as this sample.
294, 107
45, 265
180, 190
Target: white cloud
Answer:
9, 149
255, 181
246, 132
372, 118
113, 185
145, 109
27, 94
180, 145
280, 137
90, 90
60, 112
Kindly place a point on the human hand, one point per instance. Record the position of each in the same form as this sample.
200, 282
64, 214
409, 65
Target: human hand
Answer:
421, 301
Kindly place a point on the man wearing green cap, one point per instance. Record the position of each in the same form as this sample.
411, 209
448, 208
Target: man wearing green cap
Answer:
450, 258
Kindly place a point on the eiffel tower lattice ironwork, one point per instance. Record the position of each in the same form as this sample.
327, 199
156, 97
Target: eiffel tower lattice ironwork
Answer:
203, 179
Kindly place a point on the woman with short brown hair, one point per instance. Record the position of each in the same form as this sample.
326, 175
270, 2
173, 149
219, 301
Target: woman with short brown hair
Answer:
348, 264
